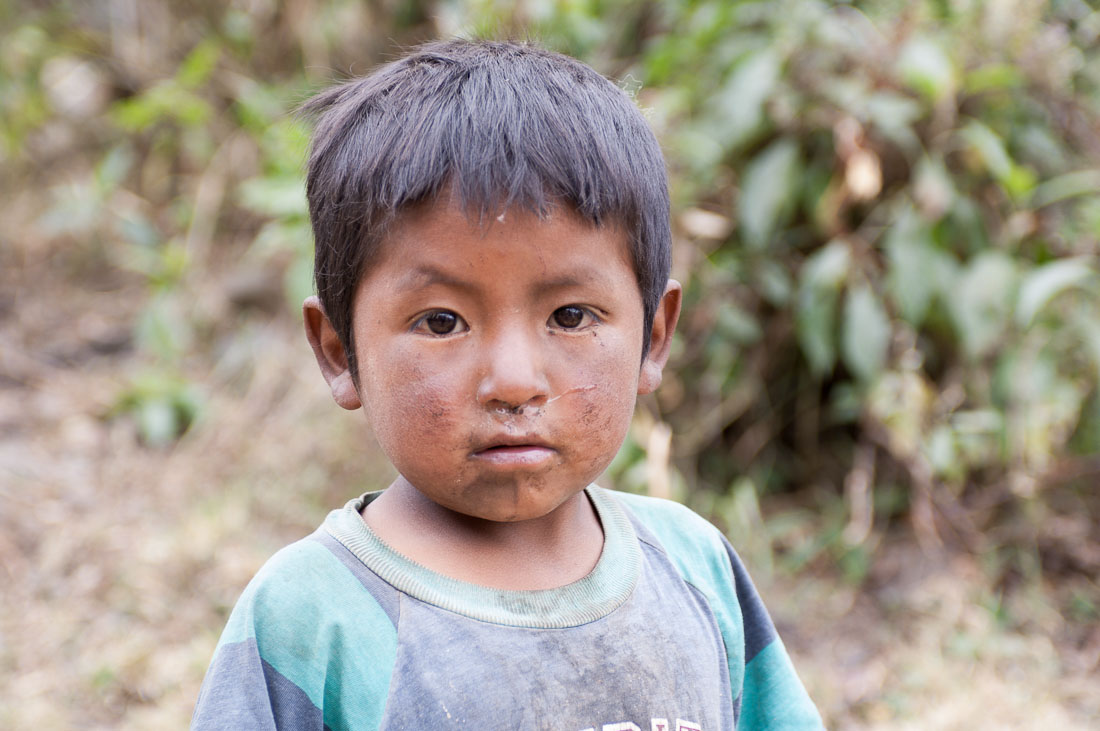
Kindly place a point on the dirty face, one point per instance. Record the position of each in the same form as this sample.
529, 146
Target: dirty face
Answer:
499, 364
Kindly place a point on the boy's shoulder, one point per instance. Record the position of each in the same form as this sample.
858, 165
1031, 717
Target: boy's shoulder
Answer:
674, 527
306, 585
696, 548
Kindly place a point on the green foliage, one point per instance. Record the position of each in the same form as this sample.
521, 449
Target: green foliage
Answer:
163, 407
887, 222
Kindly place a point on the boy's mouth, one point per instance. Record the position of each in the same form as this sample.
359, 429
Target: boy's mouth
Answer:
512, 450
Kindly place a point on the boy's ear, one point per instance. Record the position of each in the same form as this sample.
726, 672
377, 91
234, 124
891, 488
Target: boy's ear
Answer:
330, 354
660, 337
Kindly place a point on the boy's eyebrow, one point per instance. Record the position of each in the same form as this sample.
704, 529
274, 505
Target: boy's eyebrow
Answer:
427, 276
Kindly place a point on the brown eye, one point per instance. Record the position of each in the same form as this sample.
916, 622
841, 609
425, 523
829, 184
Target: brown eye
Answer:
441, 323
568, 317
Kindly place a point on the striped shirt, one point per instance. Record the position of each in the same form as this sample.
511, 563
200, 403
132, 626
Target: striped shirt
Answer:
667, 633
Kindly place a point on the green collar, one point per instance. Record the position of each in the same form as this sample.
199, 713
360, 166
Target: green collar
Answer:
596, 595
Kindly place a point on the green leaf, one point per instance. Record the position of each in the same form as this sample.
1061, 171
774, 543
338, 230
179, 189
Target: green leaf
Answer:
158, 421
989, 147
773, 283
926, 67
895, 115
734, 324
982, 301
866, 336
1016, 179
1044, 283
740, 102
199, 64
163, 330
298, 281
911, 277
768, 190
993, 77
815, 318
1070, 185
279, 197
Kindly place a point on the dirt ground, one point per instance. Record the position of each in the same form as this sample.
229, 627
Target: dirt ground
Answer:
120, 562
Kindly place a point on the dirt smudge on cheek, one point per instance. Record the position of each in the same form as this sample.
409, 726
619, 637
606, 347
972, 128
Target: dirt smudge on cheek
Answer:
412, 405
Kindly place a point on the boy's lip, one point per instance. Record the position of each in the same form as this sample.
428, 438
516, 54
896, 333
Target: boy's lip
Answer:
514, 449
511, 440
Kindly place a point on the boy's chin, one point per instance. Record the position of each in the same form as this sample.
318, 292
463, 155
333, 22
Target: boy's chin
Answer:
504, 502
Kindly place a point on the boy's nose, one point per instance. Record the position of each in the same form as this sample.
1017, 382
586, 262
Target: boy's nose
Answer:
513, 375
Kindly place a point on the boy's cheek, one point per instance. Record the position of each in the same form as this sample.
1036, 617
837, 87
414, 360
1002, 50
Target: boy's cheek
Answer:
407, 404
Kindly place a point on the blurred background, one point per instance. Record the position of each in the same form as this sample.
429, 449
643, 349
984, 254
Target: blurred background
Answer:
884, 388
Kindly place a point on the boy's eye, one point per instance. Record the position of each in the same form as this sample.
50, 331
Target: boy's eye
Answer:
441, 322
570, 317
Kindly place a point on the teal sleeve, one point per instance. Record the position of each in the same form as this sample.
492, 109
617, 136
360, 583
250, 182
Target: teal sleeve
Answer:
772, 696
304, 631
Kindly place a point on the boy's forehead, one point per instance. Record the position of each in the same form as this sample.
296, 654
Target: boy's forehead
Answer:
443, 217
443, 243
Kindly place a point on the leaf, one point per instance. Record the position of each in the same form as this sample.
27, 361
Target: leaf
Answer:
981, 301
773, 283
1044, 283
1070, 185
298, 281
199, 64
1016, 179
279, 197
926, 67
895, 115
740, 101
866, 335
993, 77
158, 421
736, 325
768, 190
989, 147
911, 277
818, 292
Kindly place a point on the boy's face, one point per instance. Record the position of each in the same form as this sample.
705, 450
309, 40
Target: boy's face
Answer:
498, 364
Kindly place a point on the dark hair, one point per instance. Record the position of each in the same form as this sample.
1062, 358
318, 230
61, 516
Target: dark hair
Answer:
499, 124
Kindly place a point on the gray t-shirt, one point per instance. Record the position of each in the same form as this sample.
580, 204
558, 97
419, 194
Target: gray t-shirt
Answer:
667, 633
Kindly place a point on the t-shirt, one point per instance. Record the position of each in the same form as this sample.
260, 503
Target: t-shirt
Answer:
666, 633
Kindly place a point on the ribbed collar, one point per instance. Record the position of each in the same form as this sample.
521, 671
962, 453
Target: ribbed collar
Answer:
596, 595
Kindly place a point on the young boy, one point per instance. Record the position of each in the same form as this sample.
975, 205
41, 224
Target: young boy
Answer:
492, 232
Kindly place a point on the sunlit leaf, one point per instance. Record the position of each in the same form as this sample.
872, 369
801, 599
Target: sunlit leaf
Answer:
199, 64
992, 77
894, 115
298, 282
865, 341
158, 422
1069, 185
768, 191
989, 147
740, 102
982, 301
1017, 179
926, 67
1041, 285
911, 276
818, 293
283, 197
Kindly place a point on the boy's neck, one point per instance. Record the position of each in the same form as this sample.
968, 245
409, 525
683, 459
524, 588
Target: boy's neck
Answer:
544, 553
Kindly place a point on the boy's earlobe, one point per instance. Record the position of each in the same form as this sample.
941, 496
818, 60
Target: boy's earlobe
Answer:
330, 354
660, 338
